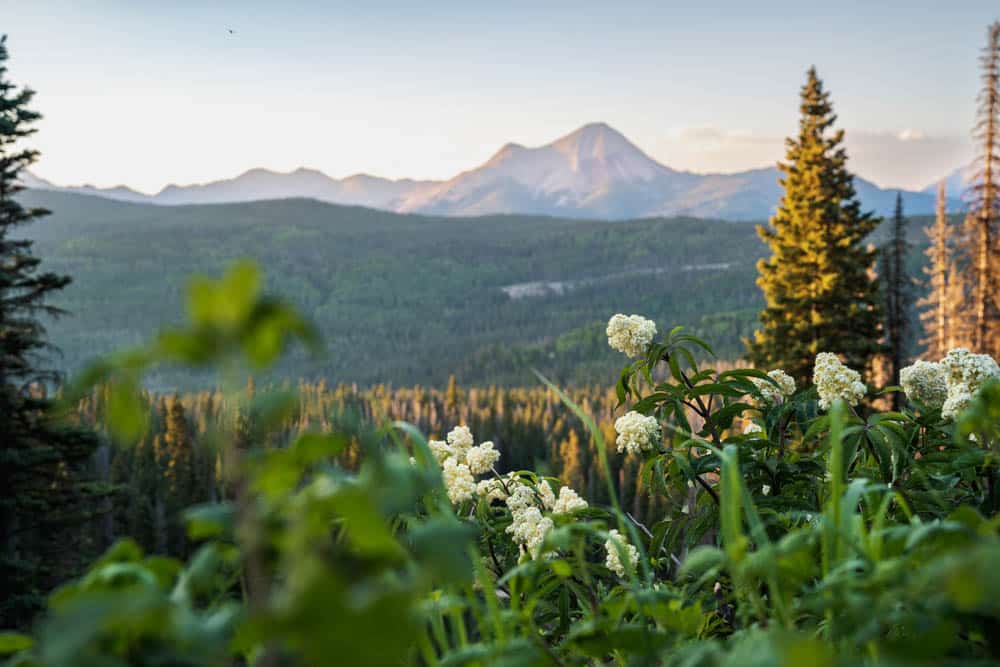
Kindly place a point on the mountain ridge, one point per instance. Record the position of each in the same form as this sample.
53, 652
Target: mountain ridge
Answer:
594, 172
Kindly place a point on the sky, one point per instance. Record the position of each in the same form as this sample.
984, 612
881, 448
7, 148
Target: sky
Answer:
151, 93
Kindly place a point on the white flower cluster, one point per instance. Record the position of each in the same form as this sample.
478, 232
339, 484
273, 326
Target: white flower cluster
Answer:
613, 560
776, 394
752, 427
527, 503
458, 481
568, 502
529, 527
834, 381
460, 461
636, 433
925, 381
482, 458
966, 373
630, 334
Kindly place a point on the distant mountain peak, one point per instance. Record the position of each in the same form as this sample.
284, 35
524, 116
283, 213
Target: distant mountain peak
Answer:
597, 140
595, 171
595, 130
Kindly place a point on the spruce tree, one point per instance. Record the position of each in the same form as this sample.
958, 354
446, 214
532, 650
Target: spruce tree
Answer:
178, 450
898, 296
43, 504
819, 292
983, 223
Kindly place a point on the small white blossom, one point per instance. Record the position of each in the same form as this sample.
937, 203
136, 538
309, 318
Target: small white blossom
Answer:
966, 373
765, 489
958, 400
529, 528
630, 334
636, 433
460, 438
440, 449
925, 381
480, 459
752, 427
521, 497
612, 560
458, 481
969, 369
834, 381
548, 497
775, 394
568, 502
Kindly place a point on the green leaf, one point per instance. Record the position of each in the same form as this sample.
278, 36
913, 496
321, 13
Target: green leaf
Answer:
702, 559
561, 568
441, 546
209, 521
127, 415
13, 642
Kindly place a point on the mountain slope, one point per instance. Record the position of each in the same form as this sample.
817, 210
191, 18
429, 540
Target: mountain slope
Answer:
401, 298
260, 184
594, 172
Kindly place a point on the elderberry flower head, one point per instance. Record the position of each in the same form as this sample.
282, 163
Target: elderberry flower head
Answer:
480, 459
458, 481
612, 559
630, 334
834, 381
775, 394
636, 433
568, 502
966, 373
925, 381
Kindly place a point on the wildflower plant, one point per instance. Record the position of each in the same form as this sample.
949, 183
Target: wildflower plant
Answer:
797, 526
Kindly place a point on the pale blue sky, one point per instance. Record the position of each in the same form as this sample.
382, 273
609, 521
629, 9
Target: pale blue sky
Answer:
148, 93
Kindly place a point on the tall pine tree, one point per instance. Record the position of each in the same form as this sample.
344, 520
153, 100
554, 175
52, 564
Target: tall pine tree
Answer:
42, 504
983, 222
820, 296
898, 296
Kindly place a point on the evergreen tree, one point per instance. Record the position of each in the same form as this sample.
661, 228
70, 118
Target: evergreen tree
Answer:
898, 296
178, 449
43, 504
818, 291
451, 397
571, 458
984, 218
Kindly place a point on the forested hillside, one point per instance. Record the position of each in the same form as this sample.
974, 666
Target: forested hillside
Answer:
400, 298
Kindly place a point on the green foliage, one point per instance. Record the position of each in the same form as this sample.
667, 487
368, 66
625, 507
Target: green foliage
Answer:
897, 297
825, 539
820, 296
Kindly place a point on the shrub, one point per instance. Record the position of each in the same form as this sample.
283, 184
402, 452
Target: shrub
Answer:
792, 534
